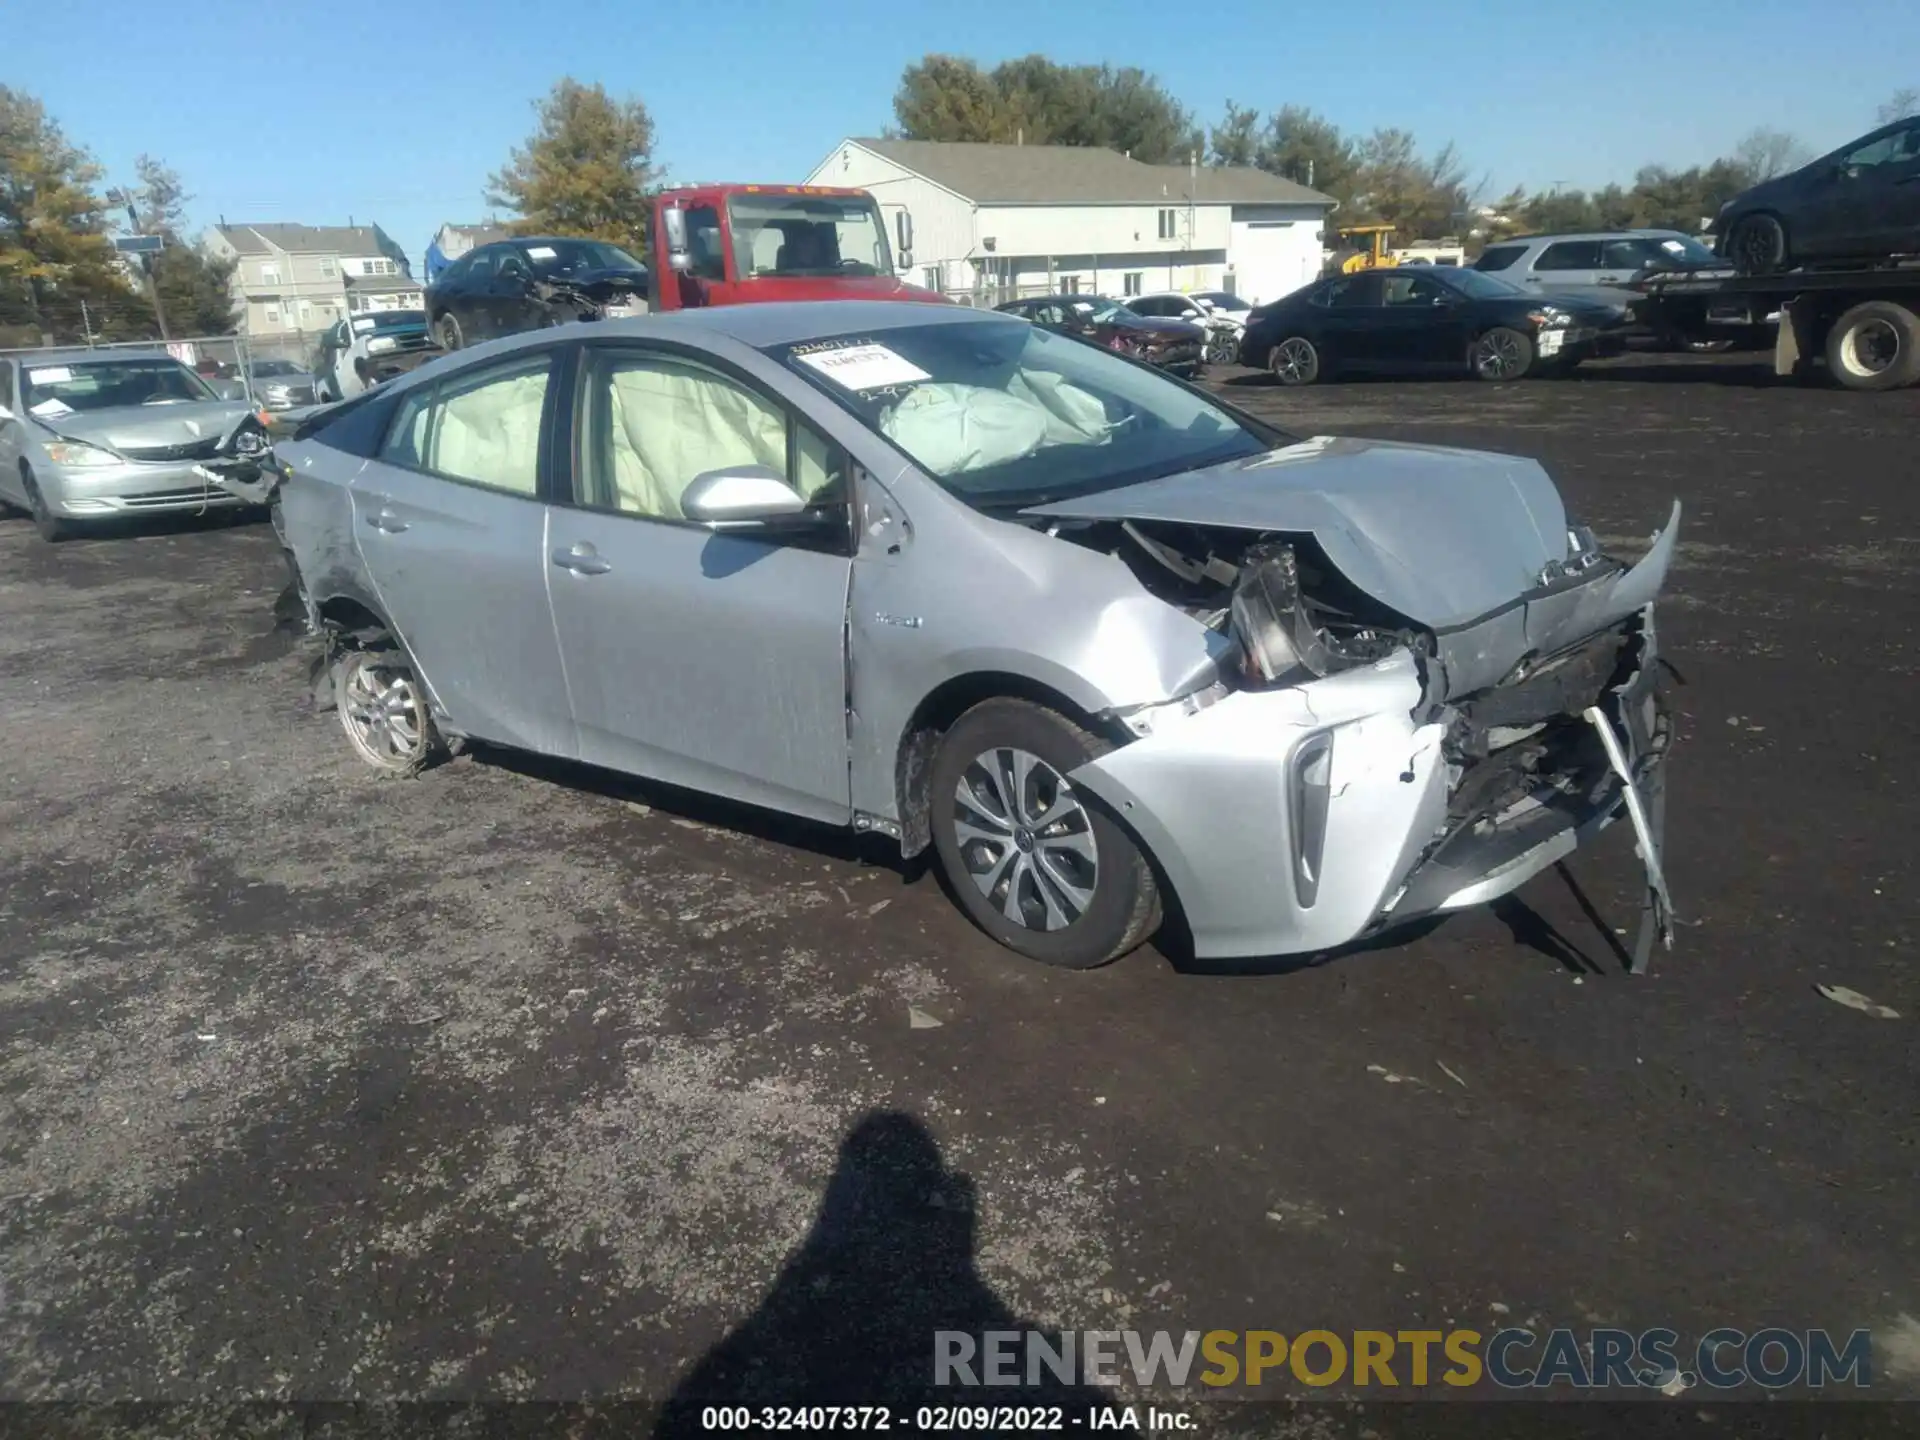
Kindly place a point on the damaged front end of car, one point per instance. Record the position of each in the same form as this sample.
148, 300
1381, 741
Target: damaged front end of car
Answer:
1439, 687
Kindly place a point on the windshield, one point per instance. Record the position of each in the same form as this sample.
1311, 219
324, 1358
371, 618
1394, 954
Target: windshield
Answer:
1099, 309
1482, 286
576, 257
1685, 249
807, 235
389, 320
72, 385
1220, 300
1007, 415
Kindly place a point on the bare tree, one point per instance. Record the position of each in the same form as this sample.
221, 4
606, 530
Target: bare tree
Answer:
1903, 103
1764, 153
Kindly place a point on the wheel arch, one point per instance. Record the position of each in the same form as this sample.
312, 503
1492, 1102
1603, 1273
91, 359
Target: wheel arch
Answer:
936, 713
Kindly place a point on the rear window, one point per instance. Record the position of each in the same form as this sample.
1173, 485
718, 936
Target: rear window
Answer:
1499, 257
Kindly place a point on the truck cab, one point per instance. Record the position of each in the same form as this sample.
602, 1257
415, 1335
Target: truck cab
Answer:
738, 244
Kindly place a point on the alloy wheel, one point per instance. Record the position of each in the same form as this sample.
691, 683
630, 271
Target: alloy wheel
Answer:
1026, 840
1295, 361
1497, 356
385, 712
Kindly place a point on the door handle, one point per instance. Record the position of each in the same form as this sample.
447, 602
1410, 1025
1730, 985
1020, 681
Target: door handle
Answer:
385, 519
582, 560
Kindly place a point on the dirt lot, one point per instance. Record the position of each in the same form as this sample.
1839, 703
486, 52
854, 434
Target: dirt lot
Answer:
516, 1081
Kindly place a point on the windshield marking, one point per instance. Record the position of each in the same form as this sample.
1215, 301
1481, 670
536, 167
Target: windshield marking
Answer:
864, 367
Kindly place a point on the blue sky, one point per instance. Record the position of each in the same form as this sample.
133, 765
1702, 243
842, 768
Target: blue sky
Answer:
397, 113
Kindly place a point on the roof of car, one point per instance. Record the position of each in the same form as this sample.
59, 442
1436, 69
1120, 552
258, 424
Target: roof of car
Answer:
38, 358
1630, 232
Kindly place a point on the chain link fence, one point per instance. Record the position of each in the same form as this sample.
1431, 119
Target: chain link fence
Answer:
252, 361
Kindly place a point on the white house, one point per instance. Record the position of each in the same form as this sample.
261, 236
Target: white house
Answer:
1002, 220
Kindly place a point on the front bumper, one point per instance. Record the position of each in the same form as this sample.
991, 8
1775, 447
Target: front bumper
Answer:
134, 488
1389, 831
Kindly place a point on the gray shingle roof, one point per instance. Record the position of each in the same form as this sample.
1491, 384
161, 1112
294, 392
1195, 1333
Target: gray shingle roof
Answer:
1083, 175
305, 239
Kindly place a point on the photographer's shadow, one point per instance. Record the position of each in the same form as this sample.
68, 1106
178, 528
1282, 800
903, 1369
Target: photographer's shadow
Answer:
852, 1317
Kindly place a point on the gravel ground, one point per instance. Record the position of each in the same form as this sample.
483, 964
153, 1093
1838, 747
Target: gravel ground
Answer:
518, 1080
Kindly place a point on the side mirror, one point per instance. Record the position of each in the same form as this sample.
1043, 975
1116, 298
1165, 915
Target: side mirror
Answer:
675, 221
903, 234
741, 495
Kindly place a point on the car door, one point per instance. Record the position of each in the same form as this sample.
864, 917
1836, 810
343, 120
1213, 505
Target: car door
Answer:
511, 306
1620, 261
1876, 197
706, 658
1568, 267
470, 301
1421, 323
451, 529
1350, 315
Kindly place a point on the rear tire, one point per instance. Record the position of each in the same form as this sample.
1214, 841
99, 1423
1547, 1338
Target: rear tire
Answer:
450, 335
1295, 360
383, 708
1875, 346
1072, 890
1757, 245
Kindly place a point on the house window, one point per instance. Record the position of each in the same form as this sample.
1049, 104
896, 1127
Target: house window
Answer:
1130, 283
269, 274
306, 310
272, 314
1167, 228
1069, 284
327, 270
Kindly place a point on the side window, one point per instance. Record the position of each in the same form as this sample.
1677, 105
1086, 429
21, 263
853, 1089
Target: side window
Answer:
1627, 254
484, 429
1570, 255
705, 255
1413, 290
1886, 150
479, 271
1334, 293
656, 423
513, 267
1499, 257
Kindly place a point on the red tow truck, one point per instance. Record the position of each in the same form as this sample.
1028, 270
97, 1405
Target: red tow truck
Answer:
739, 244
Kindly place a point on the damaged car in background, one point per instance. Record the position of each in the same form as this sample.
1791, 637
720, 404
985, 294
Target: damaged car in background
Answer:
1104, 644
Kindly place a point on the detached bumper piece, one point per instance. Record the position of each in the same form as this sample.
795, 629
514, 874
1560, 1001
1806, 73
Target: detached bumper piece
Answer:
1546, 763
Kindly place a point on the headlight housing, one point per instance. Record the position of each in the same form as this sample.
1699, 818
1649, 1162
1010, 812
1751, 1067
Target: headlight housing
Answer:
1547, 317
74, 452
380, 344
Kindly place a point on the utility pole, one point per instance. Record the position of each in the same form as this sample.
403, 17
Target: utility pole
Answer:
153, 281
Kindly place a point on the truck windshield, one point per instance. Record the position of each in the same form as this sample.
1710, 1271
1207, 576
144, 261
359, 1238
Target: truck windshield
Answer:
807, 235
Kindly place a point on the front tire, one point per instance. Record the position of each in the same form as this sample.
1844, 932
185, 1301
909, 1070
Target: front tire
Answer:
383, 708
1875, 346
1757, 245
1027, 858
53, 528
450, 335
1501, 354
1295, 361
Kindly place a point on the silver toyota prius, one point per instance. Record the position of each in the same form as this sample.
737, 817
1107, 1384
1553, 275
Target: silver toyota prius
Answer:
1104, 643
89, 435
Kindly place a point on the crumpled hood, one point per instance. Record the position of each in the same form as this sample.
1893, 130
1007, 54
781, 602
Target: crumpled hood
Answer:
149, 426
1463, 542
1443, 536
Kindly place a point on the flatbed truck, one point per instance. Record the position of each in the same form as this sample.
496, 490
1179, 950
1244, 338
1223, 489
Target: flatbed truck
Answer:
1864, 321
